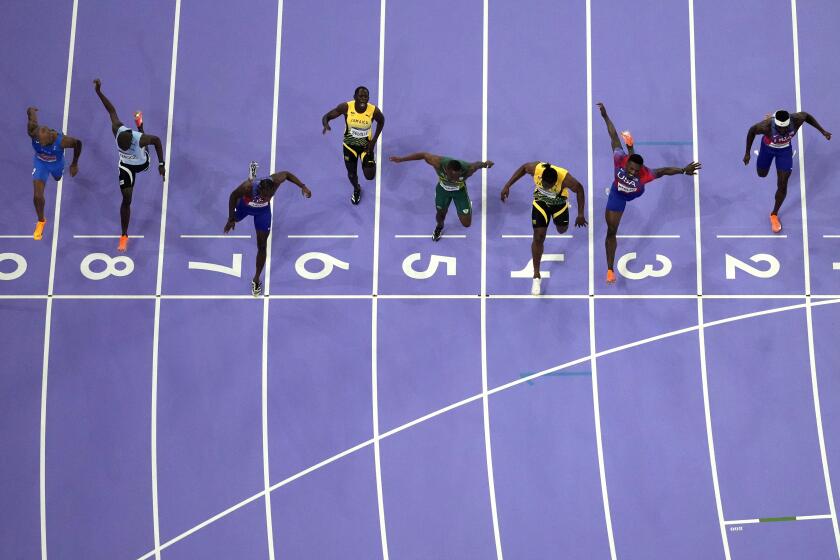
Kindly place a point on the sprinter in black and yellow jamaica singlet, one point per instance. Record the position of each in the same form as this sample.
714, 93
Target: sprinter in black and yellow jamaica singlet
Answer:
359, 138
551, 203
451, 186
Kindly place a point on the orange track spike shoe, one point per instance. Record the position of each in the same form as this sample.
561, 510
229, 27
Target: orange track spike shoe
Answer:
39, 230
775, 224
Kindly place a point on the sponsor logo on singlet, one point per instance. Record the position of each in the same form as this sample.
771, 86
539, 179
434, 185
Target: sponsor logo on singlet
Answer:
779, 140
256, 202
358, 125
625, 183
452, 185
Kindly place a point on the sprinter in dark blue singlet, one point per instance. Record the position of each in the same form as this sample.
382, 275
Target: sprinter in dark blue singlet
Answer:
253, 198
49, 146
778, 131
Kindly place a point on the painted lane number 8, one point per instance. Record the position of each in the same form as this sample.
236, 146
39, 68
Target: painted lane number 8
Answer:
114, 266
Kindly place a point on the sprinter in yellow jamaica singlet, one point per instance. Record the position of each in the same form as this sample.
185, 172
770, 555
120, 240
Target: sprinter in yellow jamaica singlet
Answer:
359, 138
551, 204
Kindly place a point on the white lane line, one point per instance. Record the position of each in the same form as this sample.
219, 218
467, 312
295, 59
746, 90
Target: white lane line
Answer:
220, 236
474, 398
701, 333
632, 236
592, 344
831, 236
269, 524
807, 271
530, 236
25, 236
488, 450
423, 236
590, 208
337, 236
42, 454
762, 236
812, 517
159, 281
374, 306
741, 522
106, 236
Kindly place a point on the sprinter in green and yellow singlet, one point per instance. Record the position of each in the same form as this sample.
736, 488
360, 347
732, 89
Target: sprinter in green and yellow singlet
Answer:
359, 138
551, 203
451, 186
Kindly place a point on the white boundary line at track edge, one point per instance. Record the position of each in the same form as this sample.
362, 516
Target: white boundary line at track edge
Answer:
474, 398
159, 281
591, 302
42, 452
374, 304
701, 333
488, 449
269, 524
807, 270
796, 518
415, 296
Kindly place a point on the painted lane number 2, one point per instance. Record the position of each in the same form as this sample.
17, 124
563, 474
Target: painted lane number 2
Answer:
773, 266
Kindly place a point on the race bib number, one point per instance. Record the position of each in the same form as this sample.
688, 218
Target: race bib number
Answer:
450, 188
359, 133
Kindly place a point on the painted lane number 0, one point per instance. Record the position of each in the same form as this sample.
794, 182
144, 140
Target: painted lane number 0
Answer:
20, 266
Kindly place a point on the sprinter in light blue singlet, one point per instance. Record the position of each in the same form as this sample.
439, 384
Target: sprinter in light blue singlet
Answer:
134, 157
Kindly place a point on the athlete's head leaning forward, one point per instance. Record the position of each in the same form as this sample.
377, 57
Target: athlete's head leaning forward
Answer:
48, 161
551, 204
451, 186
253, 198
629, 179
